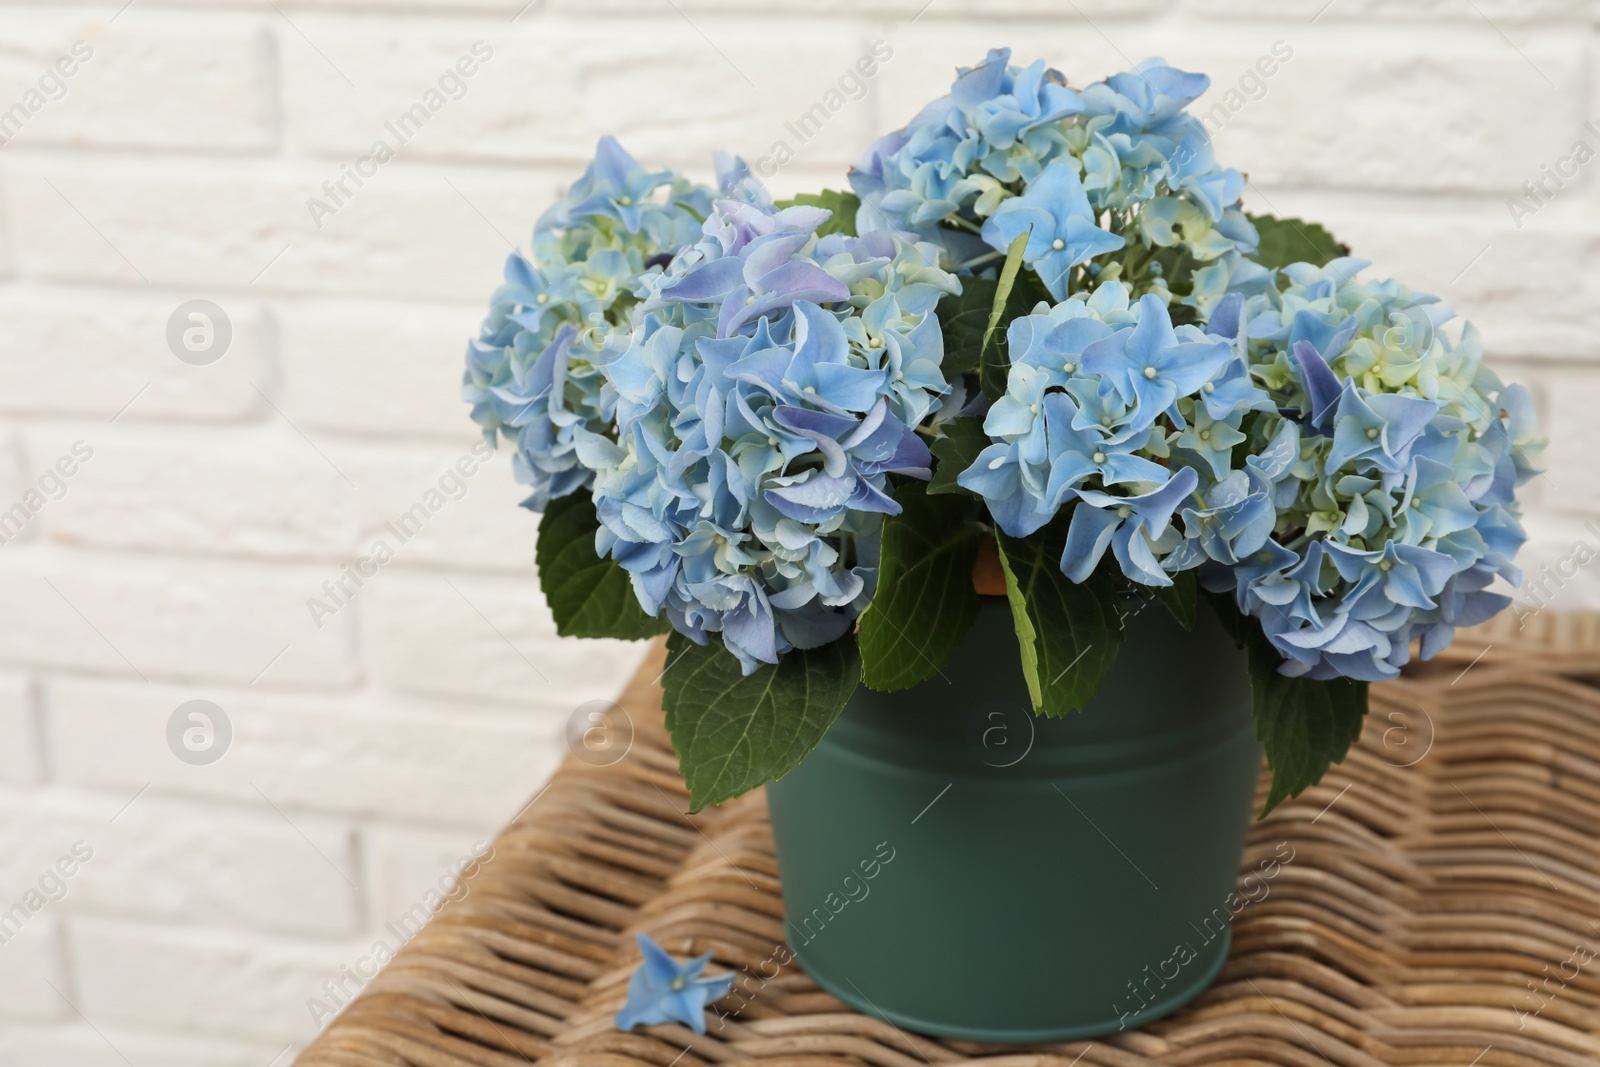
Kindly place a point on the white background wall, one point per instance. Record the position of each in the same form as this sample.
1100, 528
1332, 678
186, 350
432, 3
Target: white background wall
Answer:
370, 753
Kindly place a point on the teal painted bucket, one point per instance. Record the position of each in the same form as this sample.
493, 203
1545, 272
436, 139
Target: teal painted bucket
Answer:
956, 866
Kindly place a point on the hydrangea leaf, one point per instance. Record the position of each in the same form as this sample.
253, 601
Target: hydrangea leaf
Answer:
962, 441
1179, 598
733, 731
1069, 633
589, 596
993, 360
1305, 726
1234, 621
925, 601
843, 205
1016, 292
1286, 241
964, 320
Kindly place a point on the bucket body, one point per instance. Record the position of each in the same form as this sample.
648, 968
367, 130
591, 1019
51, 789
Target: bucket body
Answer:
958, 866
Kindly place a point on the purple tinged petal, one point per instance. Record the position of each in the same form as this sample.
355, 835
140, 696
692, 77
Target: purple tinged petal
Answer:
709, 281
1225, 317
1321, 384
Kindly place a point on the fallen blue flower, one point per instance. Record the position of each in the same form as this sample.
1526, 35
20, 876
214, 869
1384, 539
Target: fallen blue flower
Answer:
663, 990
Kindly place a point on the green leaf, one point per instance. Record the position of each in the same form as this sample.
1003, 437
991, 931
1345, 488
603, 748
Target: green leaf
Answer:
1015, 293
1233, 621
589, 596
925, 601
962, 441
1286, 241
732, 731
1069, 633
1179, 597
994, 361
1304, 726
964, 321
843, 205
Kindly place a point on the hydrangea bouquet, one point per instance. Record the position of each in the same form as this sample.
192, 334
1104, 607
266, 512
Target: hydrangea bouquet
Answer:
1040, 326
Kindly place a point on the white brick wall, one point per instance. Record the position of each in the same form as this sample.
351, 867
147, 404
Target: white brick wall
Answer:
369, 754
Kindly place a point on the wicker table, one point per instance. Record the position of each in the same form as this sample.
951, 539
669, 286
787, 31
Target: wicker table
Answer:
1442, 907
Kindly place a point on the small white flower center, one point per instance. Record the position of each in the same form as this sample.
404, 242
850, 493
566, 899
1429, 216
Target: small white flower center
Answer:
1208, 388
542, 298
1205, 435
1384, 564
1069, 368
678, 982
625, 201
1034, 408
1058, 244
1099, 457
1150, 372
1106, 420
1124, 511
1372, 434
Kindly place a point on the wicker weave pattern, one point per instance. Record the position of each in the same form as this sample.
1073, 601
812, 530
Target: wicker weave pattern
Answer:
1444, 873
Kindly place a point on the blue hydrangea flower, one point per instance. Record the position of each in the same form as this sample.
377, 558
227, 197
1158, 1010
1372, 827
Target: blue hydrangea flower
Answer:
1054, 212
1087, 384
771, 383
532, 373
1131, 525
1391, 458
662, 990
1152, 365
1324, 449
1119, 166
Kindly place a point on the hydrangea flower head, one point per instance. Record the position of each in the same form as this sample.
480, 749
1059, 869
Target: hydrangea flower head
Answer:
532, 373
1089, 381
1396, 512
1325, 450
771, 383
1118, 166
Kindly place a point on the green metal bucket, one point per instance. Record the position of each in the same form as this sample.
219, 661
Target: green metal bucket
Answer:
959, 867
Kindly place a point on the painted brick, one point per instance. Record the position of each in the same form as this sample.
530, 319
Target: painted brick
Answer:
263, 491
30, 963
209, 227
467, 520
181, 621
21, 761
462, 636
1454, 118
261, 867
162, 82
199, 982
104, 352
381, 757
1417, 12
76, 1044
377, 368
551, 86
311, 495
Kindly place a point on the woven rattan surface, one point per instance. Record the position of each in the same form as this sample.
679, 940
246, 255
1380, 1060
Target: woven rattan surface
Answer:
1442, 907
